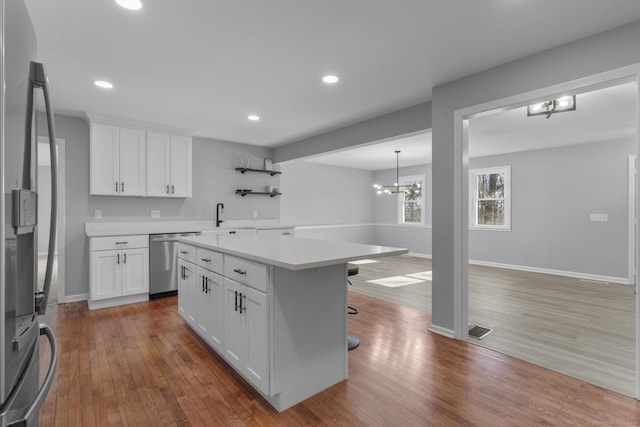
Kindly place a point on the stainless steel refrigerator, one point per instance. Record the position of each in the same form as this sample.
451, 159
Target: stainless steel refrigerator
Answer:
23, 87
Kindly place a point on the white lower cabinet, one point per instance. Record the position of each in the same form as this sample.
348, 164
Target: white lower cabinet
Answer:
209, 298
246, 317
119, 270
186, 289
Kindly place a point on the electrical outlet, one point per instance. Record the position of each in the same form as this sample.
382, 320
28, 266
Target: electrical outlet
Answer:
155, 214
255, 214
97, 214
599, 217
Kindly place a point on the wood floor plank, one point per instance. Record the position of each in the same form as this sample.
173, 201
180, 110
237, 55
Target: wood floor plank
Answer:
141, 365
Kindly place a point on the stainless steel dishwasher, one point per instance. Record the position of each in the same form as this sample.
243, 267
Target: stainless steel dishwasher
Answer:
163, 269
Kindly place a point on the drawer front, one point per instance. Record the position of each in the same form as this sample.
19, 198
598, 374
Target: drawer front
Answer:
212, 261
187, 252
247, 272
119, 242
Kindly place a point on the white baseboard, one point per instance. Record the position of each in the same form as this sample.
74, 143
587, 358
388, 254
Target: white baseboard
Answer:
449, 333
586, 276
74, 298
419, 255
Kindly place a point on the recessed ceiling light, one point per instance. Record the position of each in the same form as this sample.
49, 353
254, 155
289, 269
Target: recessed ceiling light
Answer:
103, 84
330, 79
130, 4
253, 117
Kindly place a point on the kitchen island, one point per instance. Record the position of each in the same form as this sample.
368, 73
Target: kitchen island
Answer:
274, 307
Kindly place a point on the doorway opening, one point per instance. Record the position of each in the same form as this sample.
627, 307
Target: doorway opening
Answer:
57, 291
562, 274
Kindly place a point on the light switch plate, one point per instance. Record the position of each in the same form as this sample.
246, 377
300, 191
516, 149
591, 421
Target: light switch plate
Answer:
255, 214
599, 217
98, 214
155, 214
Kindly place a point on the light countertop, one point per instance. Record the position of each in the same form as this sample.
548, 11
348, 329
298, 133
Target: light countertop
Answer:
292, 253
97, 229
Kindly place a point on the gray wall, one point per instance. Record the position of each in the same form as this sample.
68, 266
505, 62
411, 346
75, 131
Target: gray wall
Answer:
553, 193
322, 194
586, 57
214, 180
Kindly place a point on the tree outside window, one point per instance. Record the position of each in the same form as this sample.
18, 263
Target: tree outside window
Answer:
490, 197
411, 202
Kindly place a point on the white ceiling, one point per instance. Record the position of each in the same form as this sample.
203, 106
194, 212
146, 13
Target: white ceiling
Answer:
204, 65
600, 115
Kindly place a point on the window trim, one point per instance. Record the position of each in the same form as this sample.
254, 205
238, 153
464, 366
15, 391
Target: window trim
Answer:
400, 201
473, 199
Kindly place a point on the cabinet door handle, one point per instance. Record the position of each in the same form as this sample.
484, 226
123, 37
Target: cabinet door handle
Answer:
122, 187
207, 289
173, 188
167, 188
236, 301
240, 271
118, 255
124, 258
203, 283
117, 186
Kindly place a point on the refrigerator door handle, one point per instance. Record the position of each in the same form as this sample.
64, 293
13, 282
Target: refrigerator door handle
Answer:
40, 81
30, 416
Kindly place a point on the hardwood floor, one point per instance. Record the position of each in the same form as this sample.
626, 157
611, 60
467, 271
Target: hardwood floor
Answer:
141, 365
580, 328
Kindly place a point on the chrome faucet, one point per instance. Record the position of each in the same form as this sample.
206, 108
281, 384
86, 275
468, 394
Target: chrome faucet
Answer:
219, 210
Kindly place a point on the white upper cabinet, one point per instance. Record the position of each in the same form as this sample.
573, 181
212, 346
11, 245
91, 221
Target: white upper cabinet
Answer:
169, 162
117, 161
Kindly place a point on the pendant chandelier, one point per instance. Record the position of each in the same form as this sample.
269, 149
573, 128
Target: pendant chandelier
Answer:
397, 188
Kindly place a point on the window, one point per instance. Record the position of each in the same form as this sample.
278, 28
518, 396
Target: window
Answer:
490, 191
411, 202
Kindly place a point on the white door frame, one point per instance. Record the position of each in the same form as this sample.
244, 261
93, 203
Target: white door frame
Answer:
461, 165
61, 242
631, 200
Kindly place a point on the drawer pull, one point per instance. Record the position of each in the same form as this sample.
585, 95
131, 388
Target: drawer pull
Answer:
184, 252
122, 243
240, 271
205, 259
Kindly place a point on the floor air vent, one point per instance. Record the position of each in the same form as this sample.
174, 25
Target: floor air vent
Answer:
479, 332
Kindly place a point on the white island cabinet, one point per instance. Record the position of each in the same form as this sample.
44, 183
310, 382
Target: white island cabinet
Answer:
273, 306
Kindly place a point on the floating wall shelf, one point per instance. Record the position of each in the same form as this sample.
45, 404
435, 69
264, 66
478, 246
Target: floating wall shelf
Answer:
272, 173
250, 192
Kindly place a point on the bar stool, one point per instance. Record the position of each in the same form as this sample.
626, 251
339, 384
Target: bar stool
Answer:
352, 340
